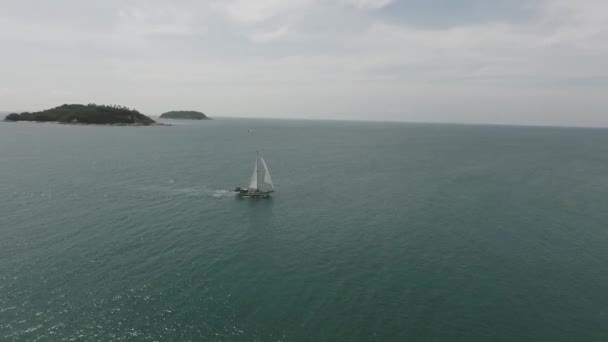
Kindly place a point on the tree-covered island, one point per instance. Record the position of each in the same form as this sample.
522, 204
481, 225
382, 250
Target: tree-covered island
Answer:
184, 114
86, 114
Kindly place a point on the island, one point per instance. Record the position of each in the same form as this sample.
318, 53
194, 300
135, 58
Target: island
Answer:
184, 114
86, 114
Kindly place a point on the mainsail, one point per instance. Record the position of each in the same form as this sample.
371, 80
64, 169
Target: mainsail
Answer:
253, 183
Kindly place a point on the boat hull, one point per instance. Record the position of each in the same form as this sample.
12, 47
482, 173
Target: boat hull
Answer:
253, 194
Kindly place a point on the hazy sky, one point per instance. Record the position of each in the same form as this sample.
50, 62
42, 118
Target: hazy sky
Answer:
497, 61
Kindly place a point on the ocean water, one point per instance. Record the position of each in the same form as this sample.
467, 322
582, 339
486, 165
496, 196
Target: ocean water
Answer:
377, 232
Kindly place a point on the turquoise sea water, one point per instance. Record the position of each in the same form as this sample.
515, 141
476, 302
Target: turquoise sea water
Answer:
377, 232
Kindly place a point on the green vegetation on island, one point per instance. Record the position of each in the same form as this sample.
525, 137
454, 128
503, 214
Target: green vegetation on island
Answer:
184, 114
86, 114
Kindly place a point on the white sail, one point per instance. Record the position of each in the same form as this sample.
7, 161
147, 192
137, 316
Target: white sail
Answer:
267, 178
253, 183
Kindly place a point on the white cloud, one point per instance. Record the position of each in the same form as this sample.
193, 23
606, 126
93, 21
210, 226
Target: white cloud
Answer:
258, 11
268, 36
248, 11
368, 4
155, 20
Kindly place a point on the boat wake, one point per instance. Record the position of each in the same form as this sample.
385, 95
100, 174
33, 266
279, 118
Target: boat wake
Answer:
194, 191
222, 193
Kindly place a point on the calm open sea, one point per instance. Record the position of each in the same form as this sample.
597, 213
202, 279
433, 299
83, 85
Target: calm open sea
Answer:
377, 232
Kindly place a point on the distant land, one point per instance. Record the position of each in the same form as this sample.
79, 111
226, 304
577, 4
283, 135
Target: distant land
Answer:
184, 114
86, 114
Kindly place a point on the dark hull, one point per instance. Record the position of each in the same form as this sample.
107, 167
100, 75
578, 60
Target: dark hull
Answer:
253, 194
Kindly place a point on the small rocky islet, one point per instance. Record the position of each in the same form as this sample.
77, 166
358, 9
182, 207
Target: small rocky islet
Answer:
184, 115
91, 114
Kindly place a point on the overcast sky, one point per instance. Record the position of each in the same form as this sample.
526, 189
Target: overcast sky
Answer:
494, 61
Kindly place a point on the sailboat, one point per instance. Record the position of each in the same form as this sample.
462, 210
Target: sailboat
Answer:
260, 184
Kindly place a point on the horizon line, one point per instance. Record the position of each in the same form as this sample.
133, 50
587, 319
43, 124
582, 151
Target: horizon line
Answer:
417, 122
